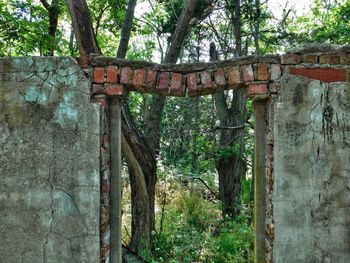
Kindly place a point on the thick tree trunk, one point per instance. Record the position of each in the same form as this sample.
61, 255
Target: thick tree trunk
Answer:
145, 148
142, 168
139, 199
83, 29
231, 168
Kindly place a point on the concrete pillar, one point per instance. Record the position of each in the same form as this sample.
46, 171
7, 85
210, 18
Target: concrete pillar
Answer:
260, 110
116, 183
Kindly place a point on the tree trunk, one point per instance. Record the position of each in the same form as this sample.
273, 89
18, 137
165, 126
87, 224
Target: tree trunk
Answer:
180, 31
142, 163
142, 166
257, 27
83, 29
53, 10
125, 36
231, 168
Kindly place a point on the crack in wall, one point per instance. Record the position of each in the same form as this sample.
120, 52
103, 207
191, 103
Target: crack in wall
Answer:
51, 225
57, 159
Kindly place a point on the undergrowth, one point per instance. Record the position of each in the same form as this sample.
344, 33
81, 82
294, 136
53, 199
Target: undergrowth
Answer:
193, 231
190, 227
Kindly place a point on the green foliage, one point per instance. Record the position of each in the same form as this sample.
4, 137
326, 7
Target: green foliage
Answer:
108, 18
235, 242
23, 28
247, 194
194, 210
333, 24
193, 231
143, 52
328, 22
186, 143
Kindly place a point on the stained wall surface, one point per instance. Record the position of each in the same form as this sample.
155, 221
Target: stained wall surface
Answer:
311, 195
49, 162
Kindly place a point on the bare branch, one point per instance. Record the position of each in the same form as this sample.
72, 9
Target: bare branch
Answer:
207, 186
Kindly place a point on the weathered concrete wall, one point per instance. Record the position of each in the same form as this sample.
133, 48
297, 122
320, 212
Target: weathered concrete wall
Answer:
49, 162
311, 191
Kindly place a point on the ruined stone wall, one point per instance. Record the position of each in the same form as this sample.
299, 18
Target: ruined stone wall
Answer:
49, 162
308, 160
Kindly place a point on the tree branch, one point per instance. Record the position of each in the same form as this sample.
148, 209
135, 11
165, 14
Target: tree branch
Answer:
181, 31
207, 186
45, 4
125, 36
226, 128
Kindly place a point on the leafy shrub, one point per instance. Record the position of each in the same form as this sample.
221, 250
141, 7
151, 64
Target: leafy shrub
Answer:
193, 231
235, 242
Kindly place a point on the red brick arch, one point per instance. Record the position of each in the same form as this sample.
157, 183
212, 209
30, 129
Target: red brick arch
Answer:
259, 74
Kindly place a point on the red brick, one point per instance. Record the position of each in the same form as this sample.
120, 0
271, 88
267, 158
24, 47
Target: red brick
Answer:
219, 77
192, 87
331, 59
126, 75
275, 70
248, 74
112, 74
207, 84
322, 74
309, 58
290, 59
164, 83
233, 77
177, 89
262, 72
99, 75
345, 59
151, 80
115, 90
257, 89
139, 79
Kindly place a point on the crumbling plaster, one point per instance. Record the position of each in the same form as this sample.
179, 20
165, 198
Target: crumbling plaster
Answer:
311, 199
49, 162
